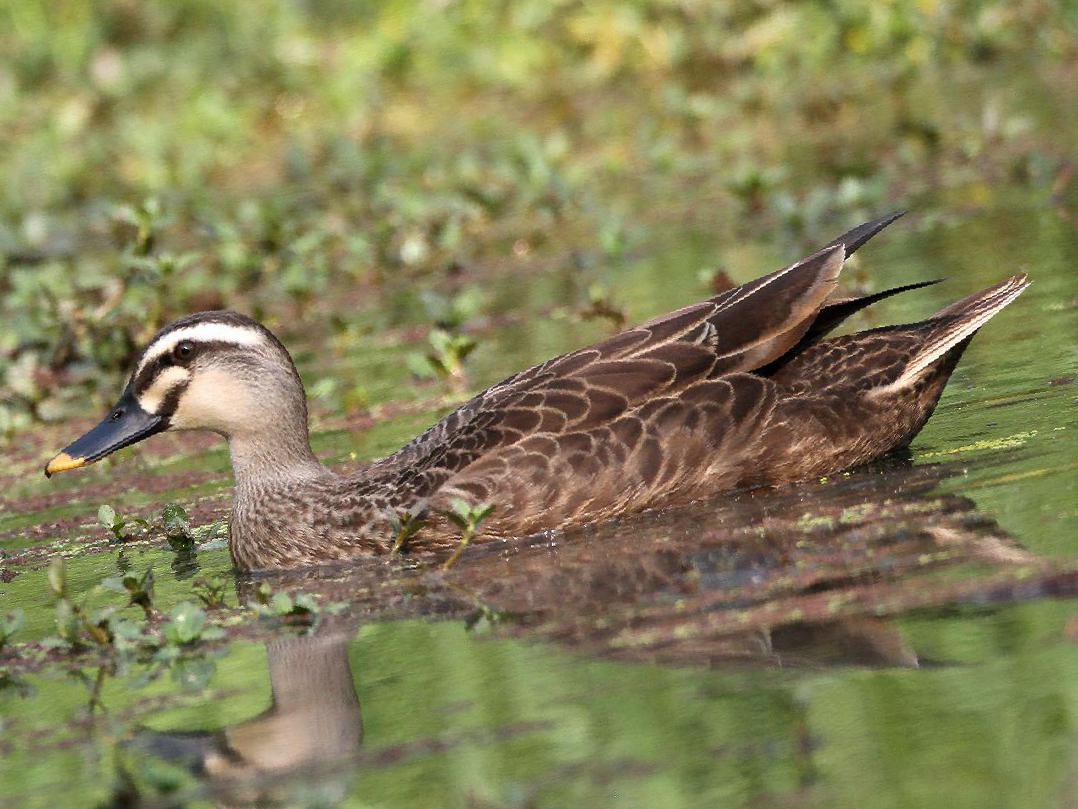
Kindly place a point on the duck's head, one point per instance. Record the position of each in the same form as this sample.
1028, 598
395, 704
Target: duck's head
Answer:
218, 371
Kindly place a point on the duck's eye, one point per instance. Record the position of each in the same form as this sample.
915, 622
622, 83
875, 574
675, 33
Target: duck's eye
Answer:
184, 350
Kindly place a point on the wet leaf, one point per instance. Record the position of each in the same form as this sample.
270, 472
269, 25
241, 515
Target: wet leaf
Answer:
185, 625
177, 524
193, 675
281, 604
106, 515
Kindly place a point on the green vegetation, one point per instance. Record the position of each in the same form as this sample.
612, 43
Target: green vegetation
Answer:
187, 624
406, 523
322, 162
83, 624
118, 524
210, 590
177, 527
139, 588
173, 524
445, 358
77, 623
294, 609
454, 190
10, 624
467, 518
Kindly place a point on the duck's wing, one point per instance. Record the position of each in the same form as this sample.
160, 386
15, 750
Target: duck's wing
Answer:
840, 403
738, 330
742, 329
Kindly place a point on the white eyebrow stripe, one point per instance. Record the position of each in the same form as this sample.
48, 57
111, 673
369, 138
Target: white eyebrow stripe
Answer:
163, 384
208, 332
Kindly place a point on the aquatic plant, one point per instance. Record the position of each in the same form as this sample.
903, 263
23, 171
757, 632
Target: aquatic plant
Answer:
210, 590
444, 358
119, 524
177, 527
138, 588
301, 608
10, 623
174, 523
468, 518
124, 640
406, 523
187, 624
74, 623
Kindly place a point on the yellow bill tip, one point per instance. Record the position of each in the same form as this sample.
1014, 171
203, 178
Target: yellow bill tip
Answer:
62, 463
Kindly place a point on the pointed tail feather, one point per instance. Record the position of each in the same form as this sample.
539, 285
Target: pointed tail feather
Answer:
809, 266
831, 316
834, 313
853, 239
1010, 289
760, 321
960, 321
764, 318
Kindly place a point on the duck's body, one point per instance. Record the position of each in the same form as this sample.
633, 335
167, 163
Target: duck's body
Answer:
736, 391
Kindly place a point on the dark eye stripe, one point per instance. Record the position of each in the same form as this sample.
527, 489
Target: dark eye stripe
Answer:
146, 377
171, 400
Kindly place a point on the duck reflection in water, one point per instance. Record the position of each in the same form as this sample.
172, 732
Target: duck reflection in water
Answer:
307, 739
801, 578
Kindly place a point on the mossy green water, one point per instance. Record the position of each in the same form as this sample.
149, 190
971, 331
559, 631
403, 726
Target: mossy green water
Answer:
994, 725
331, 172
989, 719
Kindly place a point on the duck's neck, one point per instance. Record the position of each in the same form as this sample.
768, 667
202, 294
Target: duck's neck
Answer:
258, 461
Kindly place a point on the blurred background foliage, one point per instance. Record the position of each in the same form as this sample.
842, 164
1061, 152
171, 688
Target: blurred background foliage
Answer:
316, 162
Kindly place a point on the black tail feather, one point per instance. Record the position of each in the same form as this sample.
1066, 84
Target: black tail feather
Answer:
832, 314
853, 239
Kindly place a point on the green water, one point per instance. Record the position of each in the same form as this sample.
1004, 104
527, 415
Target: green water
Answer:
973, 702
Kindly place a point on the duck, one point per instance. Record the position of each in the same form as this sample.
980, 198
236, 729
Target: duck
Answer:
743, 390
312, 729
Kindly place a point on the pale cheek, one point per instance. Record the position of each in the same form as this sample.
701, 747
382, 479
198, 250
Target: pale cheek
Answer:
213, 403
167, 381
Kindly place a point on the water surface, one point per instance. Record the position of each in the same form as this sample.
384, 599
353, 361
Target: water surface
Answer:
897, 636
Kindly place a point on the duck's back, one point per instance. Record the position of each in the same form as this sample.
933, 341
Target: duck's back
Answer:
589, 389
828, 406
630, 406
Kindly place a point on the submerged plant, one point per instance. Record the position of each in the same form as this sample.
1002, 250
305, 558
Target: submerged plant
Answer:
117, 523
468, 519
445, 357
210, 590
406, 523
138, 588
10, 623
